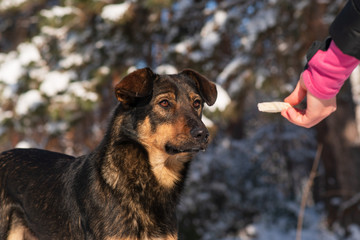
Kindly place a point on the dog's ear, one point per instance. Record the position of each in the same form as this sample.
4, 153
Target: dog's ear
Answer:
134, 86
207, 89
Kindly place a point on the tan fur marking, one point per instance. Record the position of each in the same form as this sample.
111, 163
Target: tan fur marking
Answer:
160, 162
193, 97
109, 170
166, 167
20, 233
110, 174
16, 233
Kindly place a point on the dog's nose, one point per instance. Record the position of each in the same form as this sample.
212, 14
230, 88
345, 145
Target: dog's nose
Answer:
200, 134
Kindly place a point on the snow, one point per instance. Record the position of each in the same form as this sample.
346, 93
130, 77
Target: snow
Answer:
78, 89
233, 176
210, 40
5, 115
55, 82
131, 69
115, 12
166, 69
8, 4
23, 144
184, 46
231, 68
104, 70
278, 230
39, 41
220, 18
11, 70
223, 100
238, 82
208, 123
12, 67
196, 56
263, 19
28, 53
181, 47
56, 32
72, 60
56, 127
354, 232
28, 101
210, 32
217, 22
57, 12
38, 73
180, 8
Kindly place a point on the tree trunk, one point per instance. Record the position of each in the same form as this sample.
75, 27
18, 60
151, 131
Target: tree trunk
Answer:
341, 159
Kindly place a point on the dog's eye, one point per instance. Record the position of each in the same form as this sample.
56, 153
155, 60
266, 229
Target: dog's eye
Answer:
164, 103
197, 104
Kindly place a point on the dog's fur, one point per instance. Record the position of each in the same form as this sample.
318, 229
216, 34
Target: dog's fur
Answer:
128, 187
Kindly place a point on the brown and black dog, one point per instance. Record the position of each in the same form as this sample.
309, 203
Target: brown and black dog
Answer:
129, 186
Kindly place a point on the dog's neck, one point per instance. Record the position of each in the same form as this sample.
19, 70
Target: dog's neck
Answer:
125, 176
151, 181
127, 172
126, 156
169, 170
131, 164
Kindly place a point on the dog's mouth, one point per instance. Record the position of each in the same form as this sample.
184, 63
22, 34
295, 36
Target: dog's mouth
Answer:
172, 150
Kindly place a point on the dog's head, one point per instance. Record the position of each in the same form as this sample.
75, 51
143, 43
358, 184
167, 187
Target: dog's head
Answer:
166, 113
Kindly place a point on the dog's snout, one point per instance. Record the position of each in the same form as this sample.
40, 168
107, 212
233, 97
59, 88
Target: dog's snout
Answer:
200, 134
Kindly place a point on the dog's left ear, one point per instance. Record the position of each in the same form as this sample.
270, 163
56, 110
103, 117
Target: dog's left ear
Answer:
207, 89
137, 84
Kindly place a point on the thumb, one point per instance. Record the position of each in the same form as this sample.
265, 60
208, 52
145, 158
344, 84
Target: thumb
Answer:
297, 95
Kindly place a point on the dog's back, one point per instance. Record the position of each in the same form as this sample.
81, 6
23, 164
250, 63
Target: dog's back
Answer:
29, 176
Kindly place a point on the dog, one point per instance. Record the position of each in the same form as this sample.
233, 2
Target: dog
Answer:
129, 186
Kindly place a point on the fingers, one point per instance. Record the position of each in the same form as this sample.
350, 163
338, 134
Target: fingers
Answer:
317, 109
299, 117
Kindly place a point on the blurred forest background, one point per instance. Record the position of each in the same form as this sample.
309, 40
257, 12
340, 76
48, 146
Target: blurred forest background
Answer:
60, 59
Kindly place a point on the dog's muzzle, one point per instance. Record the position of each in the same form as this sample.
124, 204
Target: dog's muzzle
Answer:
200, 134
199, 142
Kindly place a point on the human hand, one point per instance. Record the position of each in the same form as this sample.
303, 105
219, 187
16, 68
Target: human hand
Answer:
317, 109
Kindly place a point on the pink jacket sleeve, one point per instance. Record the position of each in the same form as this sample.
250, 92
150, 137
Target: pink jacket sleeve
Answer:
327, 71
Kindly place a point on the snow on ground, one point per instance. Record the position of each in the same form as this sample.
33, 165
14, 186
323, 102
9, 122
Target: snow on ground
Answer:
315, 229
